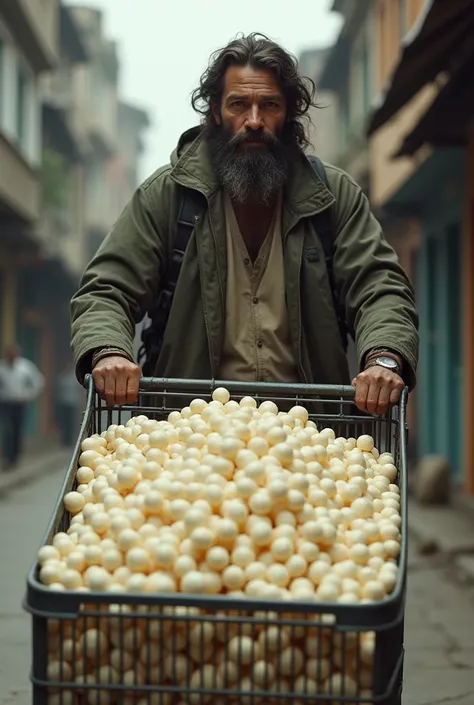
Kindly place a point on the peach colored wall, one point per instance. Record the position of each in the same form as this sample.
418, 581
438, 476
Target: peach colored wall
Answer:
388, 34
388, 174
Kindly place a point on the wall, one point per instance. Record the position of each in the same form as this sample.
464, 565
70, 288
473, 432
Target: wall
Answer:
393, 19
323, 125
387, 173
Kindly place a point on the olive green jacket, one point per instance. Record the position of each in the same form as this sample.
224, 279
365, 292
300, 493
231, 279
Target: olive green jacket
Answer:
123, 280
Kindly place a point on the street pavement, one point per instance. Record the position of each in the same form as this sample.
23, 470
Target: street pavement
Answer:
439, 666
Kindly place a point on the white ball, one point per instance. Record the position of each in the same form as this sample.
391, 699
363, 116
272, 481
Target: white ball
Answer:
233, 577
74, 502
373, 590
365, 443
261, 533
221, 395
278, 574
193, 582
217, 558
281, 549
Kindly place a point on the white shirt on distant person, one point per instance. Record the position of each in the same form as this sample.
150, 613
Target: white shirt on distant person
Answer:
20, 382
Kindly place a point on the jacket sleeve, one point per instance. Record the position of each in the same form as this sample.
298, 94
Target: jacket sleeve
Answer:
119, 285
379, 298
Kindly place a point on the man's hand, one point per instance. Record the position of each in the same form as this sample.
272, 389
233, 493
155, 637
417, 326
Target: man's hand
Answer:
117, 380
377, 388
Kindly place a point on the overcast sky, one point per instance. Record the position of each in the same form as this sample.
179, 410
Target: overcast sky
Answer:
164, 46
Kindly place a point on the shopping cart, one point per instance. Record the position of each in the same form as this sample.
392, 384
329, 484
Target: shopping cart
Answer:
171, 649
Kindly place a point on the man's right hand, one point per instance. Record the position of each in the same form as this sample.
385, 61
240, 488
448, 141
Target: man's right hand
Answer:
117, 380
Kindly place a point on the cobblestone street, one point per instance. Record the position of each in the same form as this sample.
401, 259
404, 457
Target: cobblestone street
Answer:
439, 615
439, 666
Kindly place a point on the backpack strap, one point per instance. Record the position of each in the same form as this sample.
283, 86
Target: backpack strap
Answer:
324, 226
191, 206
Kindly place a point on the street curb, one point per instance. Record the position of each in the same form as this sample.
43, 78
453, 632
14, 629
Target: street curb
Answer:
34, 471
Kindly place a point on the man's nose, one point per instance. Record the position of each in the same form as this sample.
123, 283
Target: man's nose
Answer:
254, 118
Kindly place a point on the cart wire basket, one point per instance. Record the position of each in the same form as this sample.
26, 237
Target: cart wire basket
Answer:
171, 649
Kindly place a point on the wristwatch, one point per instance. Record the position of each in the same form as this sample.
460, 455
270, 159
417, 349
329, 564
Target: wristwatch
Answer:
384, 361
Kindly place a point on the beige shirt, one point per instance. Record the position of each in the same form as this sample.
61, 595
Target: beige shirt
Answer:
257, 343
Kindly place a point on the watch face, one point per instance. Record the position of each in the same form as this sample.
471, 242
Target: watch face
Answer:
387, 362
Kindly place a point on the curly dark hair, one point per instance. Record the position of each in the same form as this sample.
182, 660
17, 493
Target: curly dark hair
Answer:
258, 51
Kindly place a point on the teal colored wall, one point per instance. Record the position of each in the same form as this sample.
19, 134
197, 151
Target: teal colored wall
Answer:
440, 377
436, 190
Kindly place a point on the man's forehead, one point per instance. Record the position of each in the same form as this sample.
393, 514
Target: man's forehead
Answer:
245, 79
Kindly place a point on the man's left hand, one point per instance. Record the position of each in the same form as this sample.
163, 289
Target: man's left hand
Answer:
377, 388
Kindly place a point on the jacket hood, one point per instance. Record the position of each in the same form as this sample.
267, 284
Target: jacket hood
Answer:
184, 142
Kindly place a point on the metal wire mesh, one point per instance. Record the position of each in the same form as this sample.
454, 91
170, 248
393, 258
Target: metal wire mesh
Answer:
174, 649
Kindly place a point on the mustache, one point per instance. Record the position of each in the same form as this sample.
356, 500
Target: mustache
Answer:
254, 136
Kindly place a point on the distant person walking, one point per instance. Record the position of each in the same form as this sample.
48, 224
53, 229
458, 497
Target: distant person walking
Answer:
20, 384
68, 397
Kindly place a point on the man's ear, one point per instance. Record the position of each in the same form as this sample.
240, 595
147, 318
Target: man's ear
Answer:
216, 113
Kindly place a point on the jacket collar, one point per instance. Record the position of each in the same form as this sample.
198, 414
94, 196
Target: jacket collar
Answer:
304, 193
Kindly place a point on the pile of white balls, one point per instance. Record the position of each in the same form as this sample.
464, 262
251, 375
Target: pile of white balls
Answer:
231, 498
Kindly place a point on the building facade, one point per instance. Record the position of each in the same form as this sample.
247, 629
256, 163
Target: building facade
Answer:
61, 188
322, 124
96, 94
419, 189
421, 146
348, 73
28, 49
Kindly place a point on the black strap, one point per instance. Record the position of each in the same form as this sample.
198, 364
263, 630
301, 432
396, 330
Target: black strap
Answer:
152, 337
326, 231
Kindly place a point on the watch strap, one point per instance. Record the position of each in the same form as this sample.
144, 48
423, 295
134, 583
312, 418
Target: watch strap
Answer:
373, 354
374, 363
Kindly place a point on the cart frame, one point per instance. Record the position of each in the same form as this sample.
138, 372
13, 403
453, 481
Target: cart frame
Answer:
329, 406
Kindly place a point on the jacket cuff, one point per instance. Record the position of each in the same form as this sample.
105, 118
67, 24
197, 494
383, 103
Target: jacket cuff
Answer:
100, 353
84, 354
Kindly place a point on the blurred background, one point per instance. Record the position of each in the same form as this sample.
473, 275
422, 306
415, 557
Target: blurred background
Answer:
94, 95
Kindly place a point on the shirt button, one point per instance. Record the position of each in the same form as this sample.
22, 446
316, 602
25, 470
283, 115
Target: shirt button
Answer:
255, 299
246, 260
259, 344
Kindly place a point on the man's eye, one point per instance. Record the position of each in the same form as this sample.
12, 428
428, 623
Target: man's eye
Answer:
271, 104
237, 104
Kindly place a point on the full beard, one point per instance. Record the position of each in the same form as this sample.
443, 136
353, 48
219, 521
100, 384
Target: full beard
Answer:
250, 173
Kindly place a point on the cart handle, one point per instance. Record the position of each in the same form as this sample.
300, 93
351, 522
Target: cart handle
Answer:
157, 384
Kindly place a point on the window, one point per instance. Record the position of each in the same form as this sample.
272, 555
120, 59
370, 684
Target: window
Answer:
22, 108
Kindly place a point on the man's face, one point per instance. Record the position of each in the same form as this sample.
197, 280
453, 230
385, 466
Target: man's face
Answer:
248, 149
252, 102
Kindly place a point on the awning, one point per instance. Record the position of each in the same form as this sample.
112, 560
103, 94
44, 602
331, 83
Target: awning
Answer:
441, 33
445, 122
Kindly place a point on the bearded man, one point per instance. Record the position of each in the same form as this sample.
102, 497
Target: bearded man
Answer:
252, 296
